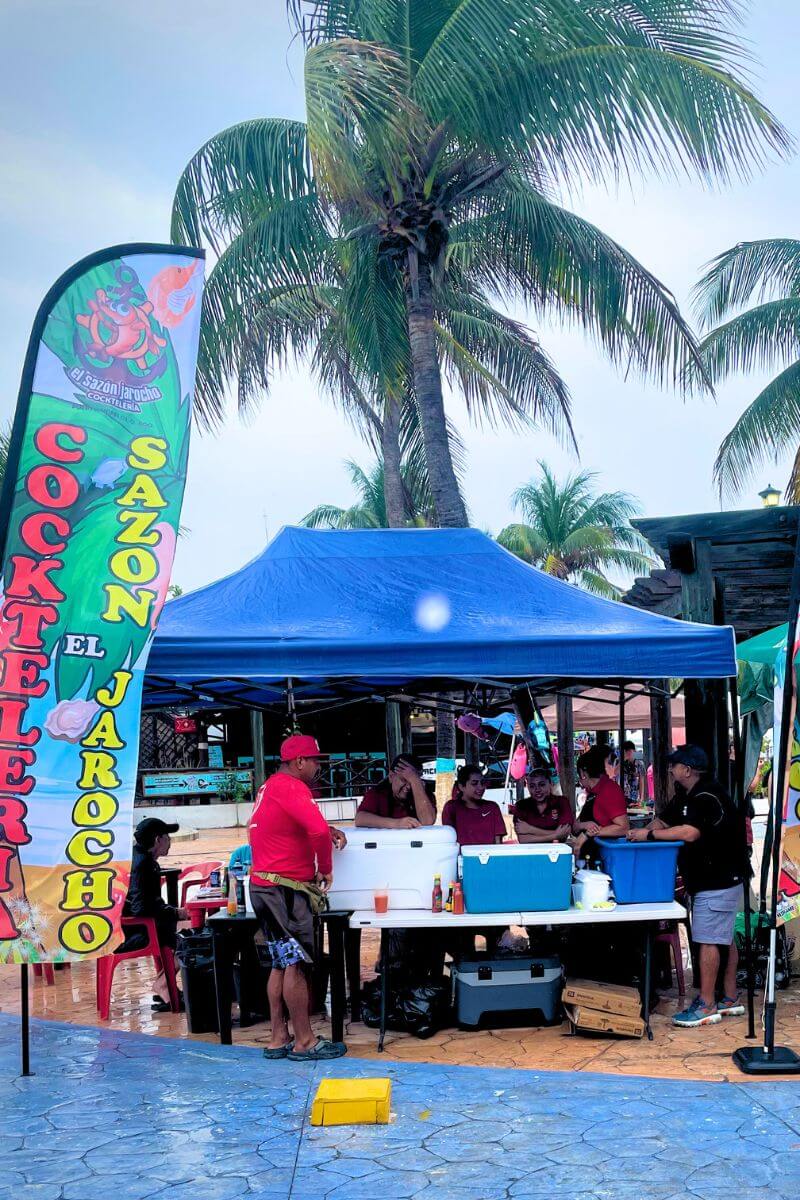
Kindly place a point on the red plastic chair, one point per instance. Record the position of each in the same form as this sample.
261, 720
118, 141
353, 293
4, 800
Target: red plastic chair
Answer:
49, 973
162, 957
195, 875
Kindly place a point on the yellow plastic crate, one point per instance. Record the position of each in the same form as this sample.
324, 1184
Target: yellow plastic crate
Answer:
352, 1102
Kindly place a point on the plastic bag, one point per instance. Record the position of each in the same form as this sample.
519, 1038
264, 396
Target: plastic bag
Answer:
519, 762
421, 1011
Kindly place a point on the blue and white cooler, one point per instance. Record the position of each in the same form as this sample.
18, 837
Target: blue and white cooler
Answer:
511, 878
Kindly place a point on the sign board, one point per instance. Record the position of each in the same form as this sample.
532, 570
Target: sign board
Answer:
89, 519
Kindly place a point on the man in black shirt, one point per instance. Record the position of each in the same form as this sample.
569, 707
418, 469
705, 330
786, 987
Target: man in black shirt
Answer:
151, 841
711, 861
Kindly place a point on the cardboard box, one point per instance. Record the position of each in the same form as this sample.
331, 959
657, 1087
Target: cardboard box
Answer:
591, 1021
352, 1102
603, 997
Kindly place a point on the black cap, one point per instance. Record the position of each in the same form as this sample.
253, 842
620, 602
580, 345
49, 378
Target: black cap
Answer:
151, 828
691, 756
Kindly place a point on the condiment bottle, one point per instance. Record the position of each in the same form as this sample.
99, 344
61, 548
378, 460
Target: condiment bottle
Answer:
436, 902
458, 899
449, 905
233, 902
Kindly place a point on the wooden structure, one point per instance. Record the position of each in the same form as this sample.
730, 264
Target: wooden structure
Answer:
726, 568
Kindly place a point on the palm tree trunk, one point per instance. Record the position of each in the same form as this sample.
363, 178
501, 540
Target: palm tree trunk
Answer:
393, 491
449, 505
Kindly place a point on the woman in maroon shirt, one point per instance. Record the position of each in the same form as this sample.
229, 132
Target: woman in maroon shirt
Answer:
544, 817
477, 822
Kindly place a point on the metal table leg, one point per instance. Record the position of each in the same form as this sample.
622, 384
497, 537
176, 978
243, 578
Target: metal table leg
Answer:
648, 955
337, 926
223, 970
384, 962
352, 949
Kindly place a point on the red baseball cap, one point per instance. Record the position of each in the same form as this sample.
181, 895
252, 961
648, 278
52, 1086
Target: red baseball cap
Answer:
300, 745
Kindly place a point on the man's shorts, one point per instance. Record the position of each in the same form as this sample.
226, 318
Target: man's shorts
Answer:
714, 916
287, 921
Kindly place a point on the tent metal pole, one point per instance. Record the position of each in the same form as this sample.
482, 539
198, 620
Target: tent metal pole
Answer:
741, 807
621, 747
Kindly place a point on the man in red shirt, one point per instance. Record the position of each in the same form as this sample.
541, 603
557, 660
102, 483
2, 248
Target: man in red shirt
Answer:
292, 868
605, 813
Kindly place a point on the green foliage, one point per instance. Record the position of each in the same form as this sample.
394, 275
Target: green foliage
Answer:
765, 337
439, 132
575, 534
369, 510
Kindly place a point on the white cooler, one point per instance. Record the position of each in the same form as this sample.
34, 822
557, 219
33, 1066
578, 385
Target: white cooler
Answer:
405, 860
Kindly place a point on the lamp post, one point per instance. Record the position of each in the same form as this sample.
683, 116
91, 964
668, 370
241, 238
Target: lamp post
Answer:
770, 497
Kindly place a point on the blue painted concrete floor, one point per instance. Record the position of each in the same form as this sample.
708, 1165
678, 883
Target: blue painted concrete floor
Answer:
115, 1116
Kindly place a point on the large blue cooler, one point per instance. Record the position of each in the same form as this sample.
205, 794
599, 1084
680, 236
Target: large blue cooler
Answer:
641, 872
511, 878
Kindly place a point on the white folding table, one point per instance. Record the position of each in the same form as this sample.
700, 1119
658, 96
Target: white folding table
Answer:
648, 915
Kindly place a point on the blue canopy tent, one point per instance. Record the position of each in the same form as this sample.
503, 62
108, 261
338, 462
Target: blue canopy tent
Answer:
372, 611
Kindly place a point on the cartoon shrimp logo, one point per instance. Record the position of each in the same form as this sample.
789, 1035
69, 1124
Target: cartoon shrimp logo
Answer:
172, 293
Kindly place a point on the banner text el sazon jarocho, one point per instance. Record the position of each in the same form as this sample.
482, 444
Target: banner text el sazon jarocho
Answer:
89, 514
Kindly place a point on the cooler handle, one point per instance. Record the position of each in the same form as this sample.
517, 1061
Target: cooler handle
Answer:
483, 857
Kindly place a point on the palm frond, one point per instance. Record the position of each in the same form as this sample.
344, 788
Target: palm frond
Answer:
769, 267
524, 541
358, 113
584, 89
238, 174
766, 429
503, 372
759, 339
538, 252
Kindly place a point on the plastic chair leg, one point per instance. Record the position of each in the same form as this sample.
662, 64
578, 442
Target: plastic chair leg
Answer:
168, 966
677, 954
49, 975
37, 969
105, 978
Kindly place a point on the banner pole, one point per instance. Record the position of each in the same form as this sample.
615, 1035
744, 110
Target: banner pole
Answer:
769, 1059
25, 1026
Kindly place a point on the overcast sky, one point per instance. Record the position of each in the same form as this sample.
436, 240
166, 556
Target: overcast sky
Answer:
101, 106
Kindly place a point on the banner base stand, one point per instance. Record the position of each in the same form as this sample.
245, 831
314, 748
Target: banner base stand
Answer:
755, 1060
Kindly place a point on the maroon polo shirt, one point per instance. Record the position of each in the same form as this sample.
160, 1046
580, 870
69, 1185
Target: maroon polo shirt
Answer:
381, 801
557, 813
475, 826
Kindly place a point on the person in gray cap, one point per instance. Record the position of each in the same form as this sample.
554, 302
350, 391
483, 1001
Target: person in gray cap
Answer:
711, 861
151, 841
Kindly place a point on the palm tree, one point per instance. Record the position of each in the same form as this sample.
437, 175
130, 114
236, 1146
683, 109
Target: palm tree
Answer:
574, 534
290, 284
369, 510
764, 337
438, 132
483, 108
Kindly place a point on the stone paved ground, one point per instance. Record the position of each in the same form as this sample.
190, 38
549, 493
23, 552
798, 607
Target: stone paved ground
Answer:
115, 1116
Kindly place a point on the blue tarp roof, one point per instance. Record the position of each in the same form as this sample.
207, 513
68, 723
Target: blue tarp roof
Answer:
389, 607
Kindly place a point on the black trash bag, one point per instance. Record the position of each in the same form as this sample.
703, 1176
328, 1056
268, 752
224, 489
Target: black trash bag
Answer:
421, 1010
426, 1009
